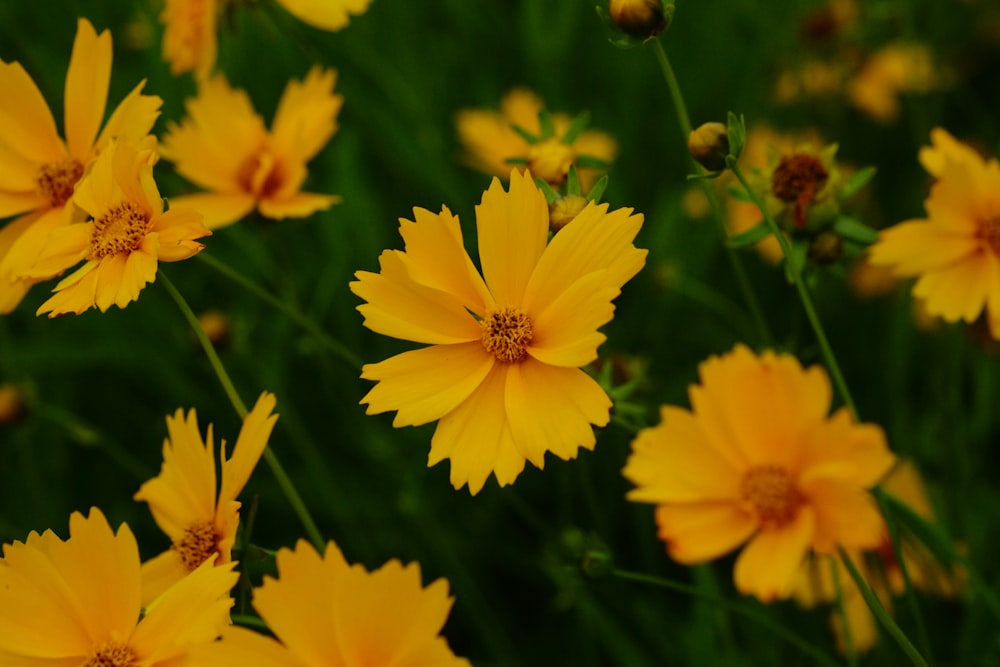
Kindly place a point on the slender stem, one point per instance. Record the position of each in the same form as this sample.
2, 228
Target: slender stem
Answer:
737, 608
735, 261
227, 384
807, 304
881, 614
335, 346
845, 623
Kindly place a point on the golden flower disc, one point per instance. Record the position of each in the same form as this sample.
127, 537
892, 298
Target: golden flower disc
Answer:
200, 541
989, 232
112, 654
119, 231
56, 180
550, 160
507, 333
770, 491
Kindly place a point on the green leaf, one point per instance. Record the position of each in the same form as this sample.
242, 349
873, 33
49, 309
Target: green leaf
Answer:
579, 125
527, 136
546, 124
736, 129
591, 162
856, 182
853, 229
755, 234
708, 175
597, 191
573, 181
550, 194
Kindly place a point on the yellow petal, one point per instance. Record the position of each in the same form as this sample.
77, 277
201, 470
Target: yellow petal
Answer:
249, 447
957, 291
424, 385
402, 308
488, 141
28, 127
846, 515
110, 277
48, 248
139, 271
132, 119
675, 462
476, 438
325, 14
841, 450
767, 566
697, 532
160, 573
298, 205
551, 409
307, 114
240, 647
218, 209
513, 228
176, 230
565, 333
97, 191
74, 293
916, 246
86, 88
945, 148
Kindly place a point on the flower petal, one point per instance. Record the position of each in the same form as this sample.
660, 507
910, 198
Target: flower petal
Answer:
916, 246
74, 294
565, 333
160, 573
86, 88
841, 450
325, 14
767, 566
297, 205
48, 248
698, 532
249, 447
218, 209
957, 291
28, 127
132, 119
845, 514
240, 647
307, 114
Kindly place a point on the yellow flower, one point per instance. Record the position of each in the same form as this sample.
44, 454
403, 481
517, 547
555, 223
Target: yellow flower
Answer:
955, 250
127, 234
879, 568
182, 498
328, 613
501, 374
224, 147
38, 168
490, 142
896, 68
325, 14
76, 602
189, 41
757, 460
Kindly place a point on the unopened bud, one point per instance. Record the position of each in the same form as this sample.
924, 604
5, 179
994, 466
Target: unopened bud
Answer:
708, 144
563, 210
216, 326
826, 247
638, 18
12, 404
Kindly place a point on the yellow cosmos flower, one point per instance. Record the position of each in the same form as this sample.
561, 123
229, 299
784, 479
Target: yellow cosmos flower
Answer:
76, 602
328, 613
955, 250
200, 518
879, 567
490, 141
325, 14
38, 170
126, 235
224, 147
757, 460
502, 372
189, 40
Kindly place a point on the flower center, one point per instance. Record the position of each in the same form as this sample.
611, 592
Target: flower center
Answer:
259, 174
563, 210
550, 160
198, 544
56, 180
506, 333
119, 231
989, 232
112, 654
770, 491
798, 178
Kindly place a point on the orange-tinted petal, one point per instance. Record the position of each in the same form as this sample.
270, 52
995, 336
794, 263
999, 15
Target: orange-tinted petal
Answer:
28, 127
916, 246
841, 450
307, 114
86, 88
218, 209
846, 515
240, 647
767, 566
325, 14
132, 119
565, 333
697, 532
74, 294
957, 291
160, 573
296, 205
249, 447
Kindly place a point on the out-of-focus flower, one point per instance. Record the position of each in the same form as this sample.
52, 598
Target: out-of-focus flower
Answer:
757, 460
325, 612
189, 35
869, 281
894, 69
502, 371
810, 80
330, 15
127, 234
77, 602
955, 251
492, 145
39, 169
223, 147
12, 403
879, 567
829, 20
708, 144
199, 517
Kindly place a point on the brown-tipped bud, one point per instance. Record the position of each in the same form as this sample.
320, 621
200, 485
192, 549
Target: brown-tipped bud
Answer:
709, 145
638, 18
12, 404
563, 210
826, 247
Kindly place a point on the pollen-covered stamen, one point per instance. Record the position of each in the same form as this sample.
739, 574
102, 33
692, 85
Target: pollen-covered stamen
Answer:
112, 654
550, 160
798, 178
120, 230
770, 493
200, 541
507, 333
56, 180
989, 232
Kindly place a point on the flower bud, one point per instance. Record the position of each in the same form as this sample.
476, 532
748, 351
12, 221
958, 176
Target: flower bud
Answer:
826, 247
708, 144
563, 210
638, 18
12, 404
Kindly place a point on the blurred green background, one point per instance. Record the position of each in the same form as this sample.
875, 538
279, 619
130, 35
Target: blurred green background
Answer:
98, 386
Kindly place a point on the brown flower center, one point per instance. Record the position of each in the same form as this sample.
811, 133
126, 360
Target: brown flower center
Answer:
797, 179
260, 174
989, 232
770, 492
507, 333
118, 231
56, 180
550, 160
200, 541
112, 654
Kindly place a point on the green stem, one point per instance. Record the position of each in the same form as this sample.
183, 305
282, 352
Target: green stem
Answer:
807, 304
845, 624
735, 261
220, 372
335, 346
739, 609
880, 613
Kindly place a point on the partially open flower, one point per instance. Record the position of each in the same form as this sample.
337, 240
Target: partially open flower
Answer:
638, 18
